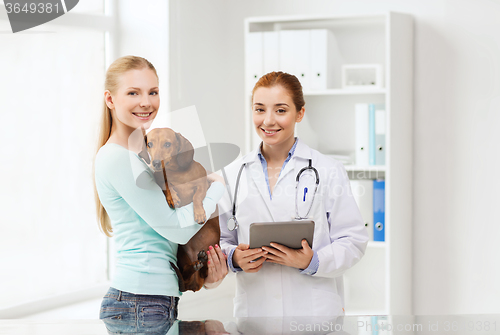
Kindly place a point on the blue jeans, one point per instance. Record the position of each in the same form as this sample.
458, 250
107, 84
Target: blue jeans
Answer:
128, 313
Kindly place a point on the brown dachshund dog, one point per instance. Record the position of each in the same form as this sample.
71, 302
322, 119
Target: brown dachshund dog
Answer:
183, 181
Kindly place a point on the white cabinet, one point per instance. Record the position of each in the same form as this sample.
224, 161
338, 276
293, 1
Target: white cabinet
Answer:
381, 283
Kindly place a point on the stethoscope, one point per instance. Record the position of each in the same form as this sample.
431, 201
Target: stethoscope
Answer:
232, 222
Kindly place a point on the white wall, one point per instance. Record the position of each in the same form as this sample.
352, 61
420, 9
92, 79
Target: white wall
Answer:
143, 31
456, 115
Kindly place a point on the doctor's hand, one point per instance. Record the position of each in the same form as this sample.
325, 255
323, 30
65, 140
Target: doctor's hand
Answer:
243, 257
296, 258
217, 267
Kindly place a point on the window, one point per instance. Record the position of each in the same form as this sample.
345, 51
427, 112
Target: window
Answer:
50, 100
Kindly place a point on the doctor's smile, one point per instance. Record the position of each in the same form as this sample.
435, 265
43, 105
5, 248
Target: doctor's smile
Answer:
270, 132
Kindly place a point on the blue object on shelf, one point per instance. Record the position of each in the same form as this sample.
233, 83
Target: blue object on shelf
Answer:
379, 210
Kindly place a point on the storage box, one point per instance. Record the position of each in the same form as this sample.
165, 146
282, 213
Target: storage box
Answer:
361, 76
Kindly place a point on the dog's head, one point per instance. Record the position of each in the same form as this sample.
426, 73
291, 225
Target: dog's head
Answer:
167, 149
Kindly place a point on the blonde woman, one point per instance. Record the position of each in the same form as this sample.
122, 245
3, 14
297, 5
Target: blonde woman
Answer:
144, 292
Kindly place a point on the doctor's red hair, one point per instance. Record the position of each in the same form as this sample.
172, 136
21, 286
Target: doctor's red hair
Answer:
288, 81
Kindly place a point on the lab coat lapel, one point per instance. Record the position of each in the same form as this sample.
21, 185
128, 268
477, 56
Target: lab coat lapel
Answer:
257, 175
288, 168
302, 155
301, 151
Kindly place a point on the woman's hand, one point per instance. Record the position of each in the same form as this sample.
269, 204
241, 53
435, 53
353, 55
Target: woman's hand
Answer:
244, 257
296, 258
215, 177
217, 267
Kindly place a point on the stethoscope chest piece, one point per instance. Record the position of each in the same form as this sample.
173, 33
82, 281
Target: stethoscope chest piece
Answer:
232, 223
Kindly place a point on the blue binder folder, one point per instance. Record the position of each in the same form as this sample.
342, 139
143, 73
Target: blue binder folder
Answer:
379, 210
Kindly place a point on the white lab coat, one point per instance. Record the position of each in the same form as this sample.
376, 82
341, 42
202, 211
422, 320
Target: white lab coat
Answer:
340, 237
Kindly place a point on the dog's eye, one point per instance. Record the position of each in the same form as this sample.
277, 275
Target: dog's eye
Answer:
167, 144
150, 144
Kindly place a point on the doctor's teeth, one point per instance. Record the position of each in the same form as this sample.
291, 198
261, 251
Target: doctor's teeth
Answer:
270, 132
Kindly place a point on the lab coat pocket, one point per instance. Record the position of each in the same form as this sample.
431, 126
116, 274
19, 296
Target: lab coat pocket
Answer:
240, 303
326, 303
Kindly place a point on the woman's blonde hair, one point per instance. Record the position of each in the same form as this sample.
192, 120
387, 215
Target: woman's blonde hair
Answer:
111, 83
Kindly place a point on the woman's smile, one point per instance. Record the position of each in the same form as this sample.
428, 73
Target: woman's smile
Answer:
143, 116
270, 132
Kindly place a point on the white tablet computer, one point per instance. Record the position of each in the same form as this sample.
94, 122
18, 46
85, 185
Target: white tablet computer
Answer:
289, 233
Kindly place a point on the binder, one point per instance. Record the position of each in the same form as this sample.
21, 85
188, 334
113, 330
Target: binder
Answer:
371, 136
365, 323
319, 50
379, 210
271, 51
362, 132
254, 58
295, 55
362, 191
302, 51
286, 46
326, 60
374, 325
380, 130
383, 326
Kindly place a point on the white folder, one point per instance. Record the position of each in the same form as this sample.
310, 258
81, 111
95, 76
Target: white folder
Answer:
380, 129
271, 45
302, 51
362, 134
362, 191
287, 46
326, 60
295, 55
254, 58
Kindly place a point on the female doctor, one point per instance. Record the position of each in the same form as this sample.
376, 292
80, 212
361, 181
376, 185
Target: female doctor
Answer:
279, 281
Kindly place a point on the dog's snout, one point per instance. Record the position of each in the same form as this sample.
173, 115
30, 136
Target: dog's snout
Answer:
157, 164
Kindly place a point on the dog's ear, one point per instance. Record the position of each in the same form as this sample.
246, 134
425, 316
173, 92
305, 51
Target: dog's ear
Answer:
185, 152
144, 152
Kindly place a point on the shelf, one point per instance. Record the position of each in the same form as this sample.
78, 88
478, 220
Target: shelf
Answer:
373, 168
380, 283
376, 244
365, 312
347, 92
380, 91
270, 23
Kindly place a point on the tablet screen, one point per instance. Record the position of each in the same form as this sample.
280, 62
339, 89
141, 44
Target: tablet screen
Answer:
288, 233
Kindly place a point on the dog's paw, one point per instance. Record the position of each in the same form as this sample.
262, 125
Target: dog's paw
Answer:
170, 202
200, 217
202, 256
197, 266
176, 200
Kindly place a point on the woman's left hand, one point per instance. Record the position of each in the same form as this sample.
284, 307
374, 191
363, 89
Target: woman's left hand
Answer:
217, 267
296, 258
